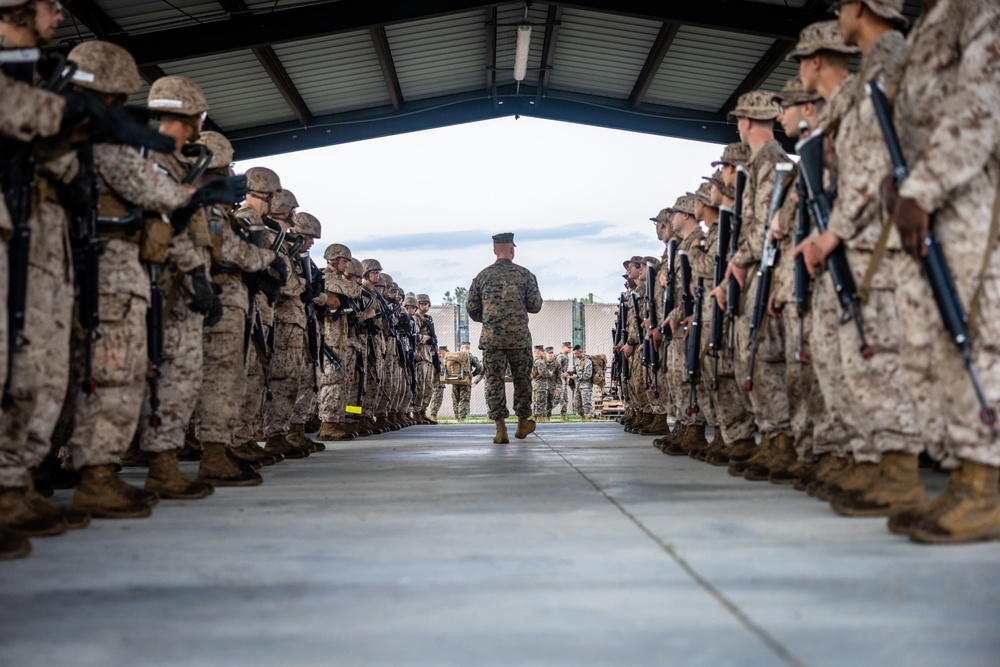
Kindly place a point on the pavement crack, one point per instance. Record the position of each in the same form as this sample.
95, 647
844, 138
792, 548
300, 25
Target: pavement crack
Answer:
770, 640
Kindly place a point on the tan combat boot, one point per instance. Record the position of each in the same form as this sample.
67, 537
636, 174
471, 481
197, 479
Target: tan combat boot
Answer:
432, 418
296, 436
858, 478
565, 418
780, 454
13, 546
658, 426
101, 494
898, 486
279, 445
525, 426
17, 516
972, 514
713, 446
501, 437
672, 443
252, 453
191, 451
829, 466
218, 468
694, 436
74, 517
334, 432
167, 481
51, 473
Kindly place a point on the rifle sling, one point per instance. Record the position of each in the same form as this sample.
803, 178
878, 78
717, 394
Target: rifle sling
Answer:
990, 247
877, 254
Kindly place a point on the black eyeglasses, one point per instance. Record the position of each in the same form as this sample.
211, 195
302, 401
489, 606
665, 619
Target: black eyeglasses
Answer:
840, 3
263, 196
782, 108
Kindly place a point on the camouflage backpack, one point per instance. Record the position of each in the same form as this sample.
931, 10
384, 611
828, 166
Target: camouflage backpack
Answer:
457, 368
600, 362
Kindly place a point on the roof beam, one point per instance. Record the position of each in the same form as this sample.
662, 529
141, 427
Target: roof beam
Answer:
548, 51
381, 42
329, 18
668, 31
491, 49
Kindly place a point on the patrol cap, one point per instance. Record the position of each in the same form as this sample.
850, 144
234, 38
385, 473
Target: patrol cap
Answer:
336, 251
410, 301
820, 36
663, 216
651, 260
568, 344
685, 204
354, 266
222, 150
704, 194
284, 202
737, 154
370, 265
540, 348
755, 105
423, 297
177, 95
635, 259
262, 179
890, 10
104, 67
716, 180
795, 93
306, 224
506, 237
550, 349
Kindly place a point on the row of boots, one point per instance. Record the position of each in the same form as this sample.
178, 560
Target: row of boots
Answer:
968, 510
371, 425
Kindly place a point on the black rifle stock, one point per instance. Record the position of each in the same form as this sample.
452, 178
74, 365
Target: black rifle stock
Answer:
694, 348
935, 264
802, 280
312, 328
811, 171
669, 295
648, 342
436, 358
717, 322
733, 286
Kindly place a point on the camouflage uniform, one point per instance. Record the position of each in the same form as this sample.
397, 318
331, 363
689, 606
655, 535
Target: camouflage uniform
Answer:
583, 394
425, 367
106, 420
562, 393
340, 334
679, 386
501, 297
540, 379
461, 394
948, 123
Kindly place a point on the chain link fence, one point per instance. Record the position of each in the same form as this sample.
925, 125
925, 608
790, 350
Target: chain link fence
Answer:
586, 324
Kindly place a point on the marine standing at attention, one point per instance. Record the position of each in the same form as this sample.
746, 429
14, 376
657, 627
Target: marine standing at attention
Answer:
501, 297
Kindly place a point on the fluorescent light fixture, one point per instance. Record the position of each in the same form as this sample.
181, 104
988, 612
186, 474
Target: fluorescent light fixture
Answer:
521, 51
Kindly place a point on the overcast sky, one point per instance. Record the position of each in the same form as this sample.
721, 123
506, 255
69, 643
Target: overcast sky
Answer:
425, 204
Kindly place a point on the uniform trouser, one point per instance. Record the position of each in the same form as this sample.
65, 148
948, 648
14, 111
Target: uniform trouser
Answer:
495, 362
375, 380
253, 396
354, 384
729, 402
287, 368
551, 397
223, 378
306, 401
583, 399
805, 398
562, 398
838, 434
461, 399
180, 380
437, 397
425, 385
539, 397
4, 292
887, 415
40, 372
105, 421
658, 395
638, 393
390, 378
335, 387
769, 393
963, 435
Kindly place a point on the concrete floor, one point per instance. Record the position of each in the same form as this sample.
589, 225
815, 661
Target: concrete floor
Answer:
432, 546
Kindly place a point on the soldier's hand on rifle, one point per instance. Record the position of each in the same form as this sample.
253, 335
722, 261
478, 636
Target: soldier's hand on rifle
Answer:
686, 323
333, 303
221, 191
773, 307
627, 351
720, 297
206, 298
775, 234
912, 223
812, 255
278, 271
368, 314
657, 337
673, 324
733, 271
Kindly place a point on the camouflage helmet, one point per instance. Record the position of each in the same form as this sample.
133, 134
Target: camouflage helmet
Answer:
284, 202
335, 251
354, 266
370, 265
177, 95
262, 179
384, 280
105, 67
410, 301
222, 150
396, 287
306, 224
423, 297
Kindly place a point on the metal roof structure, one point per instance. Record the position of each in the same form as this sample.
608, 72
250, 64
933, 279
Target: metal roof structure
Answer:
287, 75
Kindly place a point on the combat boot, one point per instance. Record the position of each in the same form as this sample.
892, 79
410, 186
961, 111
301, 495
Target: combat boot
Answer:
720, 457
191, 451
252, 453
828, 468
278, 445
971, 513
135, 458
857, 478
715, 446
367, 426
672, 443
781, 454
167, 481
103, 498
52, 474
525, 426
741, 454
74, 518
694, 436
793, 473
658, 426
898, 486
564, 417
13, 546
17, 516
427, 420
297, 436
759, 457
642, 422
501, 437
333, 432
218, 468
432, 418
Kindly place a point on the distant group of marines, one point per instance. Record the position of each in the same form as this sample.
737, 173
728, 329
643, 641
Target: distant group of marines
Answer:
837, 320
160, 308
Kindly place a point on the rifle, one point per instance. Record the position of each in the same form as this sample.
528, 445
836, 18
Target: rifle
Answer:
935, 264
623, 367
312, 330
802, 282
670, 293
811, 172
733, 287
647, 341
694, 348
638, 328
17, 181
436, 358
765, 272
716, 324
87, 251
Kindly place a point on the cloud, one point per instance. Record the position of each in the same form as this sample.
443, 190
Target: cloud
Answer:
469, 238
